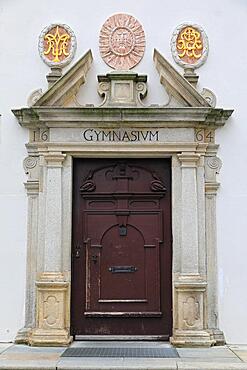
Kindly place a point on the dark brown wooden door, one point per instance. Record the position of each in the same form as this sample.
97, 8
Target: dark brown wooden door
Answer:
121, 253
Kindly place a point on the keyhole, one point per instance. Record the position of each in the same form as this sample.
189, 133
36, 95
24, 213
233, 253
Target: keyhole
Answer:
122, 230
94, 258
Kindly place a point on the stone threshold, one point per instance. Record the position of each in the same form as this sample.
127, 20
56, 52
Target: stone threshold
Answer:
20, 357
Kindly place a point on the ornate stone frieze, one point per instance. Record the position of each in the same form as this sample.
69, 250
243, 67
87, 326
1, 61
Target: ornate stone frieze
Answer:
122, 41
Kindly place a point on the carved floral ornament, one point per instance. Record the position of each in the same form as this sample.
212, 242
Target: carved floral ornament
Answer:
189, 45
122, 41
57, 45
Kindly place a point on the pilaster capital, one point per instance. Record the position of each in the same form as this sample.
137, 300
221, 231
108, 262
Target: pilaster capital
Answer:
211, 189
189, 159
32, 187
54, 159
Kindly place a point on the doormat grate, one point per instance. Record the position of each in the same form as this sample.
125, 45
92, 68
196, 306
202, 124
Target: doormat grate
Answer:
120, 352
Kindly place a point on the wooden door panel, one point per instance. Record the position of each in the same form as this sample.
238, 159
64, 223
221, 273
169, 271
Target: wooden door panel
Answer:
121, 277
123, 270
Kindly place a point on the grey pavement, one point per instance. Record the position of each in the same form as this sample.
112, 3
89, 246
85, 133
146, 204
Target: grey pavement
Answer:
20, 357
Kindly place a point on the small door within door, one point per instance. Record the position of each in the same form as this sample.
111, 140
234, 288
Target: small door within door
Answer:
121, 254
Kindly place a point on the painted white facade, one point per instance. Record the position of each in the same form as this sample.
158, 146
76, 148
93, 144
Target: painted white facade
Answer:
22, 71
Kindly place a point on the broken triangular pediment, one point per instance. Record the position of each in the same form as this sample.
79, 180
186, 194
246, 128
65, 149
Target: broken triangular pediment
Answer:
63, 90
176, 85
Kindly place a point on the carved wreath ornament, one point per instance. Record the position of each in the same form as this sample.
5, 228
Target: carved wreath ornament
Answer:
122, 42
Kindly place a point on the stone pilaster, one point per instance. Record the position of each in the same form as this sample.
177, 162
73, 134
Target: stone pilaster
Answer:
190, 324
31, 168
52, 312
212, 167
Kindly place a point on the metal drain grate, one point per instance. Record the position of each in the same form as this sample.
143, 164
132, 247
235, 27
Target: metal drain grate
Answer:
121, 352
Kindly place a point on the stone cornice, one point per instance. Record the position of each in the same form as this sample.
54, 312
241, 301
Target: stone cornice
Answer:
157, 116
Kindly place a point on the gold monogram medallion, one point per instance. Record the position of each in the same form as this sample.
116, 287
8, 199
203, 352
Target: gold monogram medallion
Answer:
57, 45
189, 45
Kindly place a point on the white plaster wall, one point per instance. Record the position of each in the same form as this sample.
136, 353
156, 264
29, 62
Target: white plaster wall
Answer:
22, 71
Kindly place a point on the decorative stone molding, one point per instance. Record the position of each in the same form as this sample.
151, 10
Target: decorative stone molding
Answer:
122, 89
57, 45
203, 50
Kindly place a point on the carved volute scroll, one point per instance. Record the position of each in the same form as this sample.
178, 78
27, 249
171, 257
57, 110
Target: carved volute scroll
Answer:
125, 89
121, 176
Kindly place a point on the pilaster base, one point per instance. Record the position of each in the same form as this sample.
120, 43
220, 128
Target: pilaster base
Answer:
23, 336
52, 320
218, 336
45, 338
190, 326
191, 338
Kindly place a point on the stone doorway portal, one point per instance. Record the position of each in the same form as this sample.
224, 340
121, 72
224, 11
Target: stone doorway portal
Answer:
122, 127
